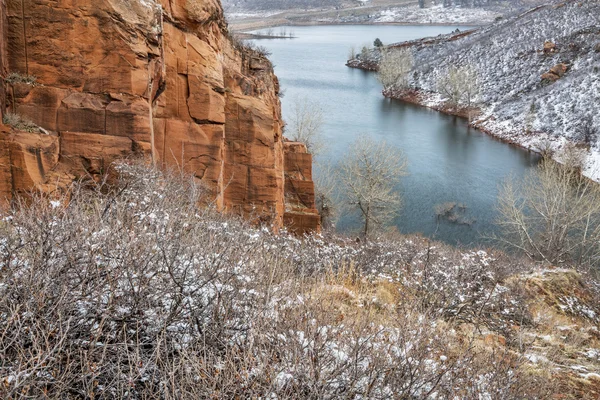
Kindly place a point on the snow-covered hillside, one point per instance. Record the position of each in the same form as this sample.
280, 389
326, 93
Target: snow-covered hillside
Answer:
277, 12
510, 57
436, 15
510, 60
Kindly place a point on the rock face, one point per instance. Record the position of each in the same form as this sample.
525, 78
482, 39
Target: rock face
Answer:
160, 78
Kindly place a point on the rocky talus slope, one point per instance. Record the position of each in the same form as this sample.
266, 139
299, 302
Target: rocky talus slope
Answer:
160, 78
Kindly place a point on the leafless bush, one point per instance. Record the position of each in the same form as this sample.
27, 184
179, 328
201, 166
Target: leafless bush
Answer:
545, 147
394, 68
459, 85
262, 51
352, 53
306, 123
587, 131
553, 215
132, 291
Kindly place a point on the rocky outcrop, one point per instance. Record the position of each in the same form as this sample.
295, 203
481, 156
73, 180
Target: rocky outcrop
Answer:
549, 47
300, 215
159, 78
555, 73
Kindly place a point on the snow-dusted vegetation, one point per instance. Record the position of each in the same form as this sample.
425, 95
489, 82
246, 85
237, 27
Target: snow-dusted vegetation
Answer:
132, 291
436, 15
476, 12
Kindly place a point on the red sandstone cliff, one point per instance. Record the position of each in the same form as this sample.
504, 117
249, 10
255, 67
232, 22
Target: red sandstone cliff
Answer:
153, 77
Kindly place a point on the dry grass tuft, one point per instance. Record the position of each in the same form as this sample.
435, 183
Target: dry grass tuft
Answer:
19, 123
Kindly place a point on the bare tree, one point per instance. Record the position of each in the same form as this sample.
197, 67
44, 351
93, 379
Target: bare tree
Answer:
305, 124
364, 52
553, 215
369, 175
530, 117
459, 85
394, 68
352, 53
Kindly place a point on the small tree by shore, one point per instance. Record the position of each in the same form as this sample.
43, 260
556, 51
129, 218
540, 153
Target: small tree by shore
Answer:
394, 68
459, 85
369, 175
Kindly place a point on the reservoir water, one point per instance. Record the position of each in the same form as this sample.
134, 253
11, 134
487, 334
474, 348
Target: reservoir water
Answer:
448, 162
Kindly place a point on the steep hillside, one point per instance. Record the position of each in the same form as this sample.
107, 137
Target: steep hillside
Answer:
537, 73
135, 293
88, 81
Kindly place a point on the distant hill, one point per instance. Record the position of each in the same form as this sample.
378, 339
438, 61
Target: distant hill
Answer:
253, 5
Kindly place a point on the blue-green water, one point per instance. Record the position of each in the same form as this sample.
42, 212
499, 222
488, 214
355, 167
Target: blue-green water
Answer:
447, 161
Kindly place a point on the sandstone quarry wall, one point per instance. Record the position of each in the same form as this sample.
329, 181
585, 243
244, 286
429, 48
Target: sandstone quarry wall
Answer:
159, 78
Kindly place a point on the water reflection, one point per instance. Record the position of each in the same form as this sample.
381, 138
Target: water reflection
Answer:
448, 161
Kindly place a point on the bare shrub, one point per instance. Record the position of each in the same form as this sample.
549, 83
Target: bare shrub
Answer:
326, 195
306, 122
545, 147
394, 68
132, 291
587, 131
459, 85
352, 53
262, 51
364, 52
553, 215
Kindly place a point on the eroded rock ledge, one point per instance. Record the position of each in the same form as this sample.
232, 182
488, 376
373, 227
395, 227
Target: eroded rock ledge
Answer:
154, 77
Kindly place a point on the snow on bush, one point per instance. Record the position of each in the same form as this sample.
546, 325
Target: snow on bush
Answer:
132, 291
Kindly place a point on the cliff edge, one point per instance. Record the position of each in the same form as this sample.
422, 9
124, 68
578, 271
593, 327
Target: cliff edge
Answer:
97, 81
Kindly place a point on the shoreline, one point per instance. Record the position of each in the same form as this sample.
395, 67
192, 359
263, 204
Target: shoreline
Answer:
523, 141
420, 98
245, 31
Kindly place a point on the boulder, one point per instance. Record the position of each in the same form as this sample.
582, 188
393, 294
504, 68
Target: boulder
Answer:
550, 47
559, 69
550, 77
555, 73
